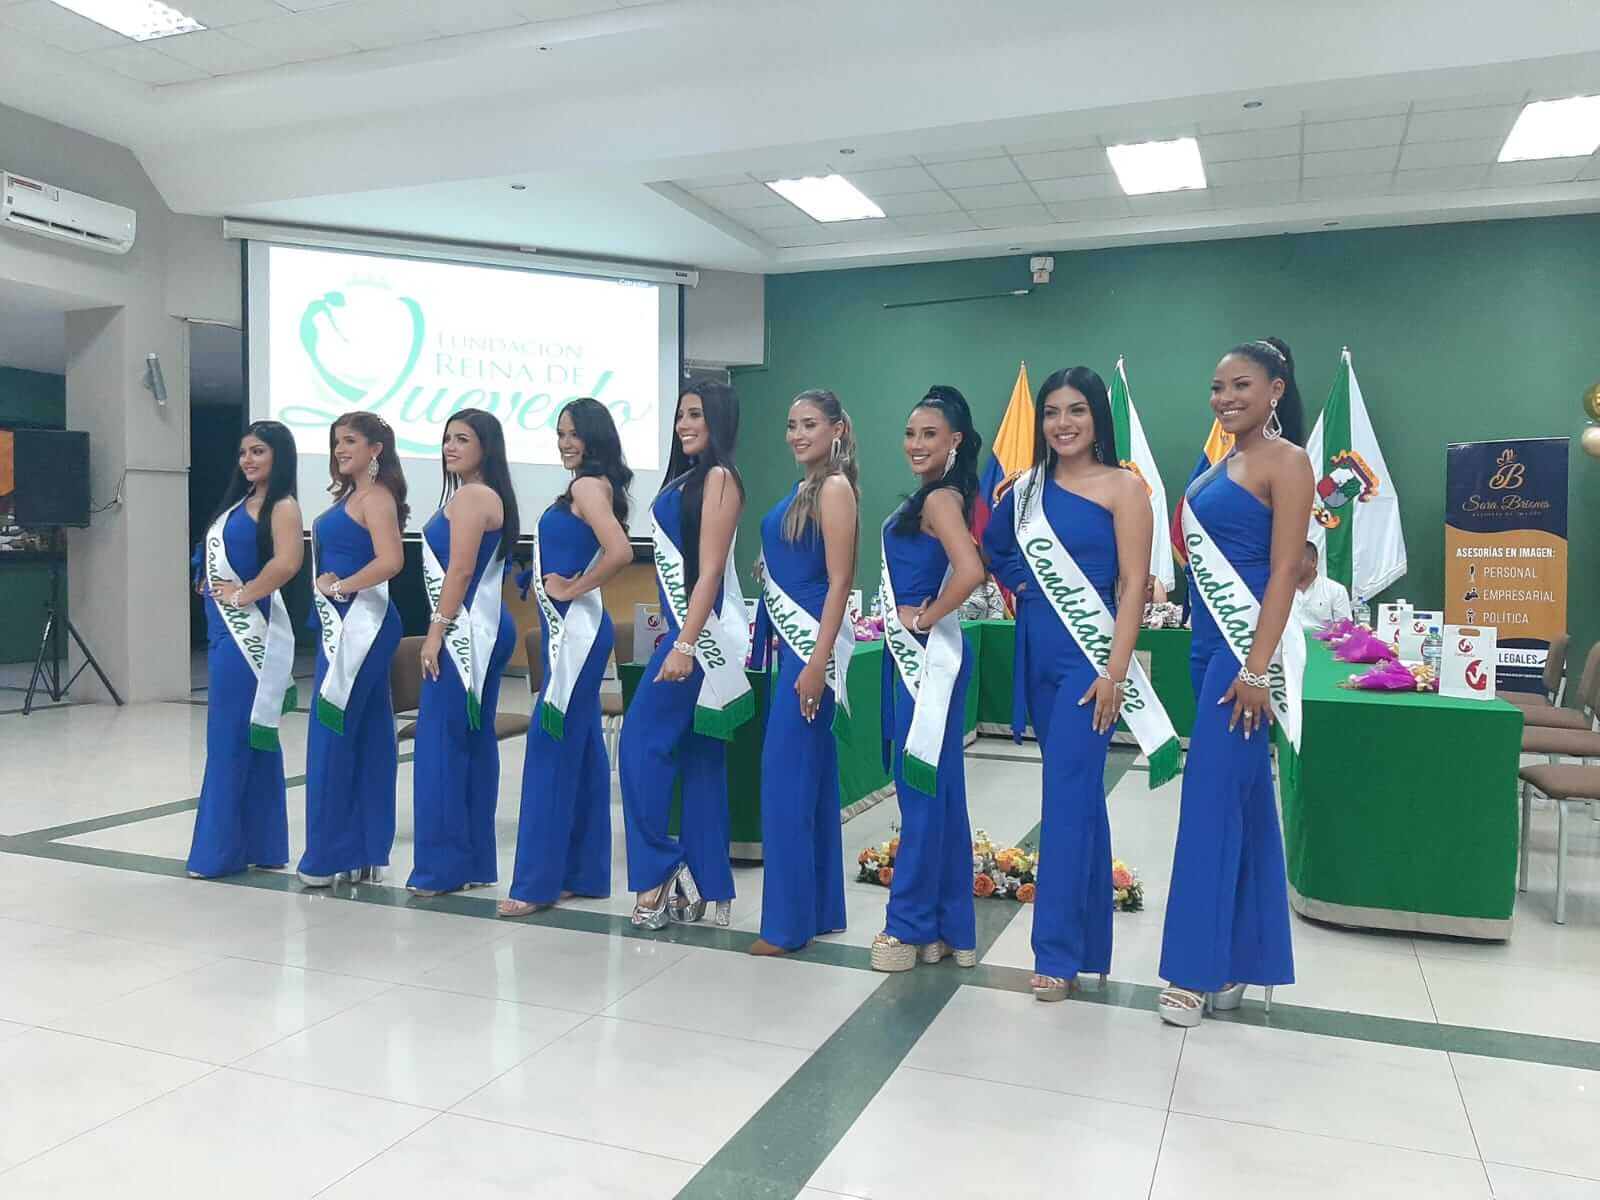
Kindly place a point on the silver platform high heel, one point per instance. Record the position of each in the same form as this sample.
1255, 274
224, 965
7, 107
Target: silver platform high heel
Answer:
724, 915
1233, 995
683, 885
655, 916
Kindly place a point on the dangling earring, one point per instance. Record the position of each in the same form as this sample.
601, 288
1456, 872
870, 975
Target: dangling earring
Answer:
950, 460
372, 467
1097, 456
1273, 429
836, 451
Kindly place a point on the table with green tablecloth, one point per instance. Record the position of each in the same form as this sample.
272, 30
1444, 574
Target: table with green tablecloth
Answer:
1400, 810
862, 779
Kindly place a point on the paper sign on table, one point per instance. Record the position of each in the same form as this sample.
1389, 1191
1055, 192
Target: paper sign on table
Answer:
649, 627
1390, 618
1466, 662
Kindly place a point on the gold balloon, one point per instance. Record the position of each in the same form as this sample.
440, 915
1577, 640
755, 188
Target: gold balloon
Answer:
1590, 439
1591, 401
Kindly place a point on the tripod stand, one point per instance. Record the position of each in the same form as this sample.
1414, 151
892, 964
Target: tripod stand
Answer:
47, 665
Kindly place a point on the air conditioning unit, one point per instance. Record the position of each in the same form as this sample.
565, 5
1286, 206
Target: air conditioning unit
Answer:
54, 212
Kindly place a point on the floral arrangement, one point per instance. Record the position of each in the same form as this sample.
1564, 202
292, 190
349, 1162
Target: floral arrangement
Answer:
1163, 616
1005, 873
1392, 676
868, 629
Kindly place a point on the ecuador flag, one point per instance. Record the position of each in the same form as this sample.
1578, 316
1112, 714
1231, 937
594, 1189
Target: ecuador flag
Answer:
1010, 452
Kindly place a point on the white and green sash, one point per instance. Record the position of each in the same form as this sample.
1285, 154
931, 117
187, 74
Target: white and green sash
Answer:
800, 630
470, 638
929, 673
346, 642
1237, 612
1074, 599
569, 637
267, 643
726, 701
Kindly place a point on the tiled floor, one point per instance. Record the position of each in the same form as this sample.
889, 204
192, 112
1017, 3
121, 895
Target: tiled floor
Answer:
166, 1037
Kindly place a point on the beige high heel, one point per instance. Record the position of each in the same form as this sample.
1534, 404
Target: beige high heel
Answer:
935, 952
891, 954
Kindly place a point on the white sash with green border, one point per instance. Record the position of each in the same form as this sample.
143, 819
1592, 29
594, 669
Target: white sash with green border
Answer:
1074, 599
346, 642
929, 673
725, 701
569, 637
470, 638
267, 643
1237, 612
800, 630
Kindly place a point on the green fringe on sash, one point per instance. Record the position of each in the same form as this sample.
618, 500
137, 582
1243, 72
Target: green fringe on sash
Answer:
291, 698
920, 775
1164, 763
552, 720
474, 711
330, 716
841, 724
264, 738
721, 723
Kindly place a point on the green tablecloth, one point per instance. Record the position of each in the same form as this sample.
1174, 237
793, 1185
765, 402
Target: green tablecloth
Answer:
861, 773
1400, 810
1169, 675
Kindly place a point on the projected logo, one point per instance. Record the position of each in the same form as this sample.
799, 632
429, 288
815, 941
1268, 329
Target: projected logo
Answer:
418, 342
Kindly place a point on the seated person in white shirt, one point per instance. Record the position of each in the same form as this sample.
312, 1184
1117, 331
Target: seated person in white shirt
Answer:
1319, 601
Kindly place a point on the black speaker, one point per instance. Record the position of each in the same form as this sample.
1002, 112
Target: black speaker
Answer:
52, 478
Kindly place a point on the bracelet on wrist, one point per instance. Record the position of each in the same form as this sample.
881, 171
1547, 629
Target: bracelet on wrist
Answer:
684, 648
1250, 679
438, 618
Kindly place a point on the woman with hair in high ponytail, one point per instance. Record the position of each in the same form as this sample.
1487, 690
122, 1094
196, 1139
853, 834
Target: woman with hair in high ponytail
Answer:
1244, 525
930, 565
351, 755
808, 560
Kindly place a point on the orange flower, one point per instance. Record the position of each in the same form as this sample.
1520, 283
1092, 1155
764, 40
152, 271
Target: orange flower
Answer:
864, 857
885, 874
894, 847
1025, 893
983, 886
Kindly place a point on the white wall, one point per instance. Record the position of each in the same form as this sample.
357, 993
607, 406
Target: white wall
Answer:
127, 572
725, 321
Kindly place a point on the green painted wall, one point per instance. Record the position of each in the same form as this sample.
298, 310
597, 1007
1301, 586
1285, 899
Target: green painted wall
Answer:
1457, 331
34, 398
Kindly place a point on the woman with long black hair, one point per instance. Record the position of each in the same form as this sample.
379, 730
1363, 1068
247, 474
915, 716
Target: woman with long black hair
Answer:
252, 548
564, 831
1244, 525
351, 755
694, 693
930, 566
470, 639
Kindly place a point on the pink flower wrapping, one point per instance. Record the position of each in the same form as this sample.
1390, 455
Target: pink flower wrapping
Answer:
1362, 647
1387, 676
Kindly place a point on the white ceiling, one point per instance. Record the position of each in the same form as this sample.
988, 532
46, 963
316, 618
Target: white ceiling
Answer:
645, 130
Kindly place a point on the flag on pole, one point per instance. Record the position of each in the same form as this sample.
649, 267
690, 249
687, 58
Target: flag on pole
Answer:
1217, 446
1133, 452
1010, 452
1355, 515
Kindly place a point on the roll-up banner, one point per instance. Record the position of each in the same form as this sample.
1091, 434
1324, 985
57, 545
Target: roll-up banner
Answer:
1505, 547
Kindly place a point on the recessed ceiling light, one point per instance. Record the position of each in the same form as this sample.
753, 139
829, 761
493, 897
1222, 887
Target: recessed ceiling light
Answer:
1252, 104
1146, 167
1554, 129
826, 198
141, 20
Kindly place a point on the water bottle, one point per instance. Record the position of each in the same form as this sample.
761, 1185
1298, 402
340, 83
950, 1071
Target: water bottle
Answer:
1432, 650
1362, 612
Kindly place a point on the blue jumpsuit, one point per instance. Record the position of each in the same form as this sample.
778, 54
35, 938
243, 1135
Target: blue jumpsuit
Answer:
930, 897
243, 817
564, 833
1073, 903
658, 747
1228, 908
456, 769
803, 877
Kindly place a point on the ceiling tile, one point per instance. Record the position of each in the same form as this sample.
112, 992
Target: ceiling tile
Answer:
1053, 146
1544, 170
1000, 195
1263, 118
1481, 100
977, 173
925, 223
1256, 143
1441, 179
1254, 170
218, 14
292, 38
1353, 112
872, 162
803, 235
148, 65
799, 171
950, 156
740, 195
1257, 195
377, 24
1346, 187
307, 5
863, 231
1167, 203
1417, 155
1347, 162
700, 183
1013, 216
782, 216
1462, 123
892, 180
1065, 164
452, 17
916, 204
218, 53
62, 29
1083, 187
1102, 208
554, 10
1355, 135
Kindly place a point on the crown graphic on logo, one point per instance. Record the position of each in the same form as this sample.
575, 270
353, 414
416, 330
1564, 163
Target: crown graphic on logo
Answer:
1509, 474
1507, 455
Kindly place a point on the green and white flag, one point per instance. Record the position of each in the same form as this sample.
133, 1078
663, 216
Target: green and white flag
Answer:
1133, 452
1355, 515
